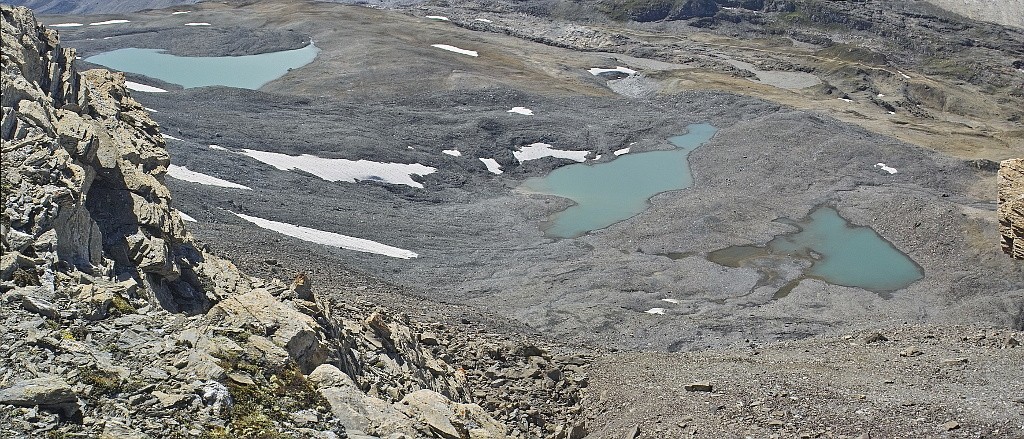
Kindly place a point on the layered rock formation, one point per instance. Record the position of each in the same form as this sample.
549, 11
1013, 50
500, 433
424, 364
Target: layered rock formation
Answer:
1011, 206
82, 183
117, 324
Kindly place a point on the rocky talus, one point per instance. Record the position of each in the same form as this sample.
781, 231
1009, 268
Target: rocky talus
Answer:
1011, 206
116, 323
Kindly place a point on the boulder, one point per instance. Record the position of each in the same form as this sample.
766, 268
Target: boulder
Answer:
451, 420
299, 334
48, 392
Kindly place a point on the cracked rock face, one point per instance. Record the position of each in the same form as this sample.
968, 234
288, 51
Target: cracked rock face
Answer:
83, 168
1011, 207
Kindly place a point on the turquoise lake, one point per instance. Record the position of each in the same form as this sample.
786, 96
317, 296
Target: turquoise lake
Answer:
606, 193
840, 254
248, 71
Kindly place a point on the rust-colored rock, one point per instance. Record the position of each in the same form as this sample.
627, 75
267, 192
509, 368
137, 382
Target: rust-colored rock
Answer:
1011, 206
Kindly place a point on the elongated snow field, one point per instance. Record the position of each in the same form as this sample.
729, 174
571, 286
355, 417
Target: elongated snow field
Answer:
130, 85
330, 238
455, 49
344, 169
535, 151
493, 166
186, 174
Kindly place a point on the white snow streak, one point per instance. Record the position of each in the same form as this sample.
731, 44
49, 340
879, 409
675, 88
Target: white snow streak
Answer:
197, 24
539, 150
493, 166
169, 137
344, 169
143, 87
101, 23
621, 151
455, 49
521, 110
186, 174
659, 311
597, 71
185, 216
437, 17
452, 152
885, 168
330, 238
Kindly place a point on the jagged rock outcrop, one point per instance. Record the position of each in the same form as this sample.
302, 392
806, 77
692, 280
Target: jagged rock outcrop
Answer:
1011, 207
82, 183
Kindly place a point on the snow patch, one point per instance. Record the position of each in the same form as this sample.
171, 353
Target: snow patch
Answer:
179, 12
622, 151
521, 110
539, 150
455, 49
670, 300
344, 169
437, 17
493, 166
658, 311
846, 100
904, 75
67, 25
197, 24
885, 168
169, 137
150, 110
186, 174
101, 23
143, 87
184, 216
483, 20
626, 70
218, 148
452, 152
329, 238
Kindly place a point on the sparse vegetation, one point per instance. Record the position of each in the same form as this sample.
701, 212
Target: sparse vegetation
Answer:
260, 407
103, 382
119, 306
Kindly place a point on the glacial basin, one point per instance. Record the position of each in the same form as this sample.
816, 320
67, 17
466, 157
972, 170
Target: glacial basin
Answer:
606, 193
247, 71
839, 253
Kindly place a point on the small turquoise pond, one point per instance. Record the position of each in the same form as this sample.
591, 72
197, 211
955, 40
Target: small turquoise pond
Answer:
248, 71
606, 193
840, 253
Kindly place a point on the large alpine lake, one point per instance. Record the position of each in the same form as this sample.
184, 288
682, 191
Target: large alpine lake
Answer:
606, 193
248, 71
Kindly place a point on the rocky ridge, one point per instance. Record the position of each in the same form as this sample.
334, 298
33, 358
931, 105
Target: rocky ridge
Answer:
117, 323
1011, 206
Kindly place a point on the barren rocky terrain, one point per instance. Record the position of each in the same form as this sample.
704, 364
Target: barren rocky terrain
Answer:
553, 337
